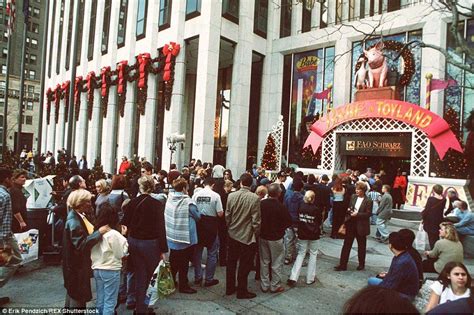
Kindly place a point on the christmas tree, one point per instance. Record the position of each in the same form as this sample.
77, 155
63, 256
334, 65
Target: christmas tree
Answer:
269, 158
453, 165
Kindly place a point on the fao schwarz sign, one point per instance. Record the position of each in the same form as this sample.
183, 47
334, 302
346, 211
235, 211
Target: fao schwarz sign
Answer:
376, 145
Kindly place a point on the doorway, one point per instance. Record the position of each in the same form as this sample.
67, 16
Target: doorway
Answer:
389, 164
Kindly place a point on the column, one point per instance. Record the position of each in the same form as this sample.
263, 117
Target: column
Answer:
146, 138
44, 128
94, 130
206, 85
60, 127
126, 135
52, 130
109, 134
80, 142
296, 18
240, 93
342, 79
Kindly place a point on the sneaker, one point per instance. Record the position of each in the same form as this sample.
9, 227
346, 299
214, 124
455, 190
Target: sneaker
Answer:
310, 283
246, 295
264, 290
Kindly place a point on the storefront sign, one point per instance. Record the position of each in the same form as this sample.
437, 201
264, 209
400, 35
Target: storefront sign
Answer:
376, 145
435, 127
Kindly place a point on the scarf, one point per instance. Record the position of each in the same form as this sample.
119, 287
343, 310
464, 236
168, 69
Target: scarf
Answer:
177, 218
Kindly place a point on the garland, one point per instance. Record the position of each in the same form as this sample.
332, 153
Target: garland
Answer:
91, 83
65, 96
49, 99
143, 61
78, 89
105, 74
409, 61
57, 99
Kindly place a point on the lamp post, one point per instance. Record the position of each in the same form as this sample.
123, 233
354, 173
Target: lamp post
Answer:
173, 140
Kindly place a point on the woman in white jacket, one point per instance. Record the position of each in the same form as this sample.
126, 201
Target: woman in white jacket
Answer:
106, 259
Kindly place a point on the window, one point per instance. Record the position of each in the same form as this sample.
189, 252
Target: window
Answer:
31, 88
230, 10
338, 11
5, 36
2, 103
33, 59
106, 27
193, 8
34, 43
69, 34
32, 74
351, 10
51, 36
260, 18
393, 5
4, 69
122, 23
60, 40
35, 28
285, 18
141, 18
165, 14
27, 58
29, 105
36, 12
80, 28
90, 47
2, 85
29, 120
4, 53
306, 20
362, 10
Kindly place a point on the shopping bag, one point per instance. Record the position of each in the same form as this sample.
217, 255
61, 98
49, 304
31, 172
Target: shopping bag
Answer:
421, 240
28, 244
161, 283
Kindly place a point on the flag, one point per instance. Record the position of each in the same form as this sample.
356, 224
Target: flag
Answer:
322, 95
26, 11
11, 11
437, 84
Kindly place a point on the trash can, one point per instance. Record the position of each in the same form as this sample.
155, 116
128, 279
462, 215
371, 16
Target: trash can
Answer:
37, 219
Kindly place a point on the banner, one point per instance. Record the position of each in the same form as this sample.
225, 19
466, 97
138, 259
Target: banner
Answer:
435, 127
39, 192
305, 71
392, 145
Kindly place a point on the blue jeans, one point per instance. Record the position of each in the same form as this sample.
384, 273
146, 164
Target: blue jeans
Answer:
211, 261
373, 281
145, 255
382, 228
107, 286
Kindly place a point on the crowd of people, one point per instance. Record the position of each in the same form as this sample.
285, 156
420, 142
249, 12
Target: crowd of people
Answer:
122, 229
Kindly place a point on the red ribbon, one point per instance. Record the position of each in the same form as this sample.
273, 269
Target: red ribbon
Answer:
57, 99
143, 62
104, 74
49, 99
122, 77
77, 96
65, 96
169, 50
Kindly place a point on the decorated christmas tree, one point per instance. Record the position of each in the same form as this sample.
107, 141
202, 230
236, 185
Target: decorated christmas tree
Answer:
269, 158
453, 165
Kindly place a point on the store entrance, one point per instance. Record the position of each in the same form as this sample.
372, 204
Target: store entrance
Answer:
389, 164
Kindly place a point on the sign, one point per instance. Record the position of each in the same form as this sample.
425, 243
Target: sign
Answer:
435, 127
39, 192
307, 63
376, 145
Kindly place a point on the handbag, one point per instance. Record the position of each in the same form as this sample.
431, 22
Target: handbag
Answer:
421, 240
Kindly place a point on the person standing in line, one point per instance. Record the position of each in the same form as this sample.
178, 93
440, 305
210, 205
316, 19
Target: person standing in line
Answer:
102, 188
210, 208
274, 221
18, 201
293, 199
375, 196
357, 227
10, 258
243, 222
309, 225
432, 215
339, 209
384, 213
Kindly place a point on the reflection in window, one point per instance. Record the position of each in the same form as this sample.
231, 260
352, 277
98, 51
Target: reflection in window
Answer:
165, 14
260, 18
60, 40
80, 28
69, 34
338, 11
141, 18
285, 18
323, 15
90, 48
306, 20
122, 23
193, 8
230, 10
106, 26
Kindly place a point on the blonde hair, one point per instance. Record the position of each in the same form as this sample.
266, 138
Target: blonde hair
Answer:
451, 233
261, 191
228, 184
309, 196
103, 185
146, 184
202, 172
77, 198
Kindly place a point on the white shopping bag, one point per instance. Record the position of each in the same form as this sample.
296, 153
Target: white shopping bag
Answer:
421, 240
28, 242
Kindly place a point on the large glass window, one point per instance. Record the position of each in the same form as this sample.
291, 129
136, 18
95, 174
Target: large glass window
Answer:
338, 11
230, 10
141, 18
122, 23
306, 20
165, 14
285, 18
260, 18
106, 26
80, 28
312, 72
90, 46
60, 39
410, 92
193, 8
69, 34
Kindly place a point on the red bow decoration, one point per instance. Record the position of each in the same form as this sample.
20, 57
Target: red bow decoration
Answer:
170, 50
143, 62
104, 91
49, 99
122, 68
77, 96
91, 85
65, 96
57, 99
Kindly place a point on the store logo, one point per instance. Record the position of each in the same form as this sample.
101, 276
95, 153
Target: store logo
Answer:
350, 146
307, 63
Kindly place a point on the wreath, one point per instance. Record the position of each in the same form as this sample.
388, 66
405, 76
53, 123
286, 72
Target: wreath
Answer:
409, 61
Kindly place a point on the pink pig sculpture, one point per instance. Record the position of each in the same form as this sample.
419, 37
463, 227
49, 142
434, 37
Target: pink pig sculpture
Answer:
377, 66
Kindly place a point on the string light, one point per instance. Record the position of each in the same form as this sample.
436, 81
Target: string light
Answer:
269, 158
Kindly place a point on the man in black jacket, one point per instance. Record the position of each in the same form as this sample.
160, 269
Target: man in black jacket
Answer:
275, 219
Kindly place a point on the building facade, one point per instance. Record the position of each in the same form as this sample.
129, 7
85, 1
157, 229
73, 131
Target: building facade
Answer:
235, 74
31, 109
